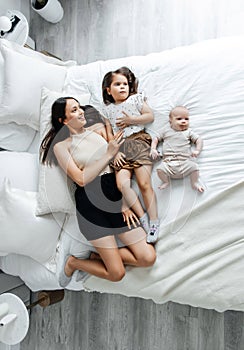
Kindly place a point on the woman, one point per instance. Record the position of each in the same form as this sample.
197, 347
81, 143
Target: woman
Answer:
85, 156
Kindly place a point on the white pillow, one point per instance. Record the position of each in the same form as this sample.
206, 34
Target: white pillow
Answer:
23, 79
16, 137
21, 231
11, 45
55, 191
21, 168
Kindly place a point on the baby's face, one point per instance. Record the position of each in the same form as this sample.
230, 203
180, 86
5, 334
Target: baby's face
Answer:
179, 119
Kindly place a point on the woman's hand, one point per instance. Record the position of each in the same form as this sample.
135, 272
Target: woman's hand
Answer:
119, 159
114, 145
130, 218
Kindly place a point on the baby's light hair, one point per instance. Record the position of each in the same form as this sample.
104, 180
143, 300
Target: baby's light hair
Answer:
173, 109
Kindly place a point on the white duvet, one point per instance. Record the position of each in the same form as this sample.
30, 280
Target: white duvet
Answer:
200, 249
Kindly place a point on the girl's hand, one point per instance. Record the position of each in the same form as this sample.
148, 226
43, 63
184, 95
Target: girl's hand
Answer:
114, 145
119, 159
154, 153
123, 121
130, 218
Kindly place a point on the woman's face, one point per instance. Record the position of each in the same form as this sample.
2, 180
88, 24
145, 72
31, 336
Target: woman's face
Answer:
74, 115
119, 88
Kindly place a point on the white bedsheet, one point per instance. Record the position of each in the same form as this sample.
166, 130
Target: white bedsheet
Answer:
200, 249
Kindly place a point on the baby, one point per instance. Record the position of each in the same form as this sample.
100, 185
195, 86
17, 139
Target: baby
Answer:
177, 138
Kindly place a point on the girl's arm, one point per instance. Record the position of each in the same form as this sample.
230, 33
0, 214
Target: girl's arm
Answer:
145, 117
83, 176
109, 129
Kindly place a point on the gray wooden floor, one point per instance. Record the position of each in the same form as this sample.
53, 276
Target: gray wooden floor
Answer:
100, 29
95, 321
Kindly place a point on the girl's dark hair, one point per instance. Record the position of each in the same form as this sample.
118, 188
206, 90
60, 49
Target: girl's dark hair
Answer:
108, 78
59, 131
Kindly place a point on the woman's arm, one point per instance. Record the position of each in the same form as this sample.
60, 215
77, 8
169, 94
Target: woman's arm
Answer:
83, 176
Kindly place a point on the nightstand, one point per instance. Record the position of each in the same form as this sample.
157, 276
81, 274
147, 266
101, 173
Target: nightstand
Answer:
20, 27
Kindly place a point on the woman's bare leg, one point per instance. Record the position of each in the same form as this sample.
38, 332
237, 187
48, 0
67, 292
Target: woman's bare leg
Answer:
137, 252
109, 263
110, 266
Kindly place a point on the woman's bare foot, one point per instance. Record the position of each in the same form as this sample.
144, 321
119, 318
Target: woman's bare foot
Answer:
68, 268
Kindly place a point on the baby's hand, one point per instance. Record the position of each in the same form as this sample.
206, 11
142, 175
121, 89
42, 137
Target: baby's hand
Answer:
154, 153
195, 153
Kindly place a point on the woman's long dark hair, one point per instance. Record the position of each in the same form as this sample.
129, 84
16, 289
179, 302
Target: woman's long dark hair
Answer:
59, 131
108, 78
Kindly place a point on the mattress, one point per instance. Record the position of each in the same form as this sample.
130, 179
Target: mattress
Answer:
200, 248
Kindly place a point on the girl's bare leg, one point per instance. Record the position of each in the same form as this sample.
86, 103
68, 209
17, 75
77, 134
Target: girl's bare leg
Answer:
143, 178
123, 179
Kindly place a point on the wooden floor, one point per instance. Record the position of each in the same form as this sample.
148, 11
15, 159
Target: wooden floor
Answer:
101, 29
96, 321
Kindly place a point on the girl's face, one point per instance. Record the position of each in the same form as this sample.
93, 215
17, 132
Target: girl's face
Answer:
119, 88
74, 115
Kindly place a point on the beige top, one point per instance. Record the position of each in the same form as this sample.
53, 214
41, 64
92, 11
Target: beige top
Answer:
87, 148
176, 143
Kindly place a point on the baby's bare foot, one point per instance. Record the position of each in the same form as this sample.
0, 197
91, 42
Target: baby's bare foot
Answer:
198, 187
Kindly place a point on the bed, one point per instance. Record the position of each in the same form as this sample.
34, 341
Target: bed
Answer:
200, 249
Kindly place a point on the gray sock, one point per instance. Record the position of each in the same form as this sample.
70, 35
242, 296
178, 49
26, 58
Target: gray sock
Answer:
144, 222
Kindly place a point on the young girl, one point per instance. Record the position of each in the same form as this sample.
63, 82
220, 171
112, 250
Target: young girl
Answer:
125, 109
